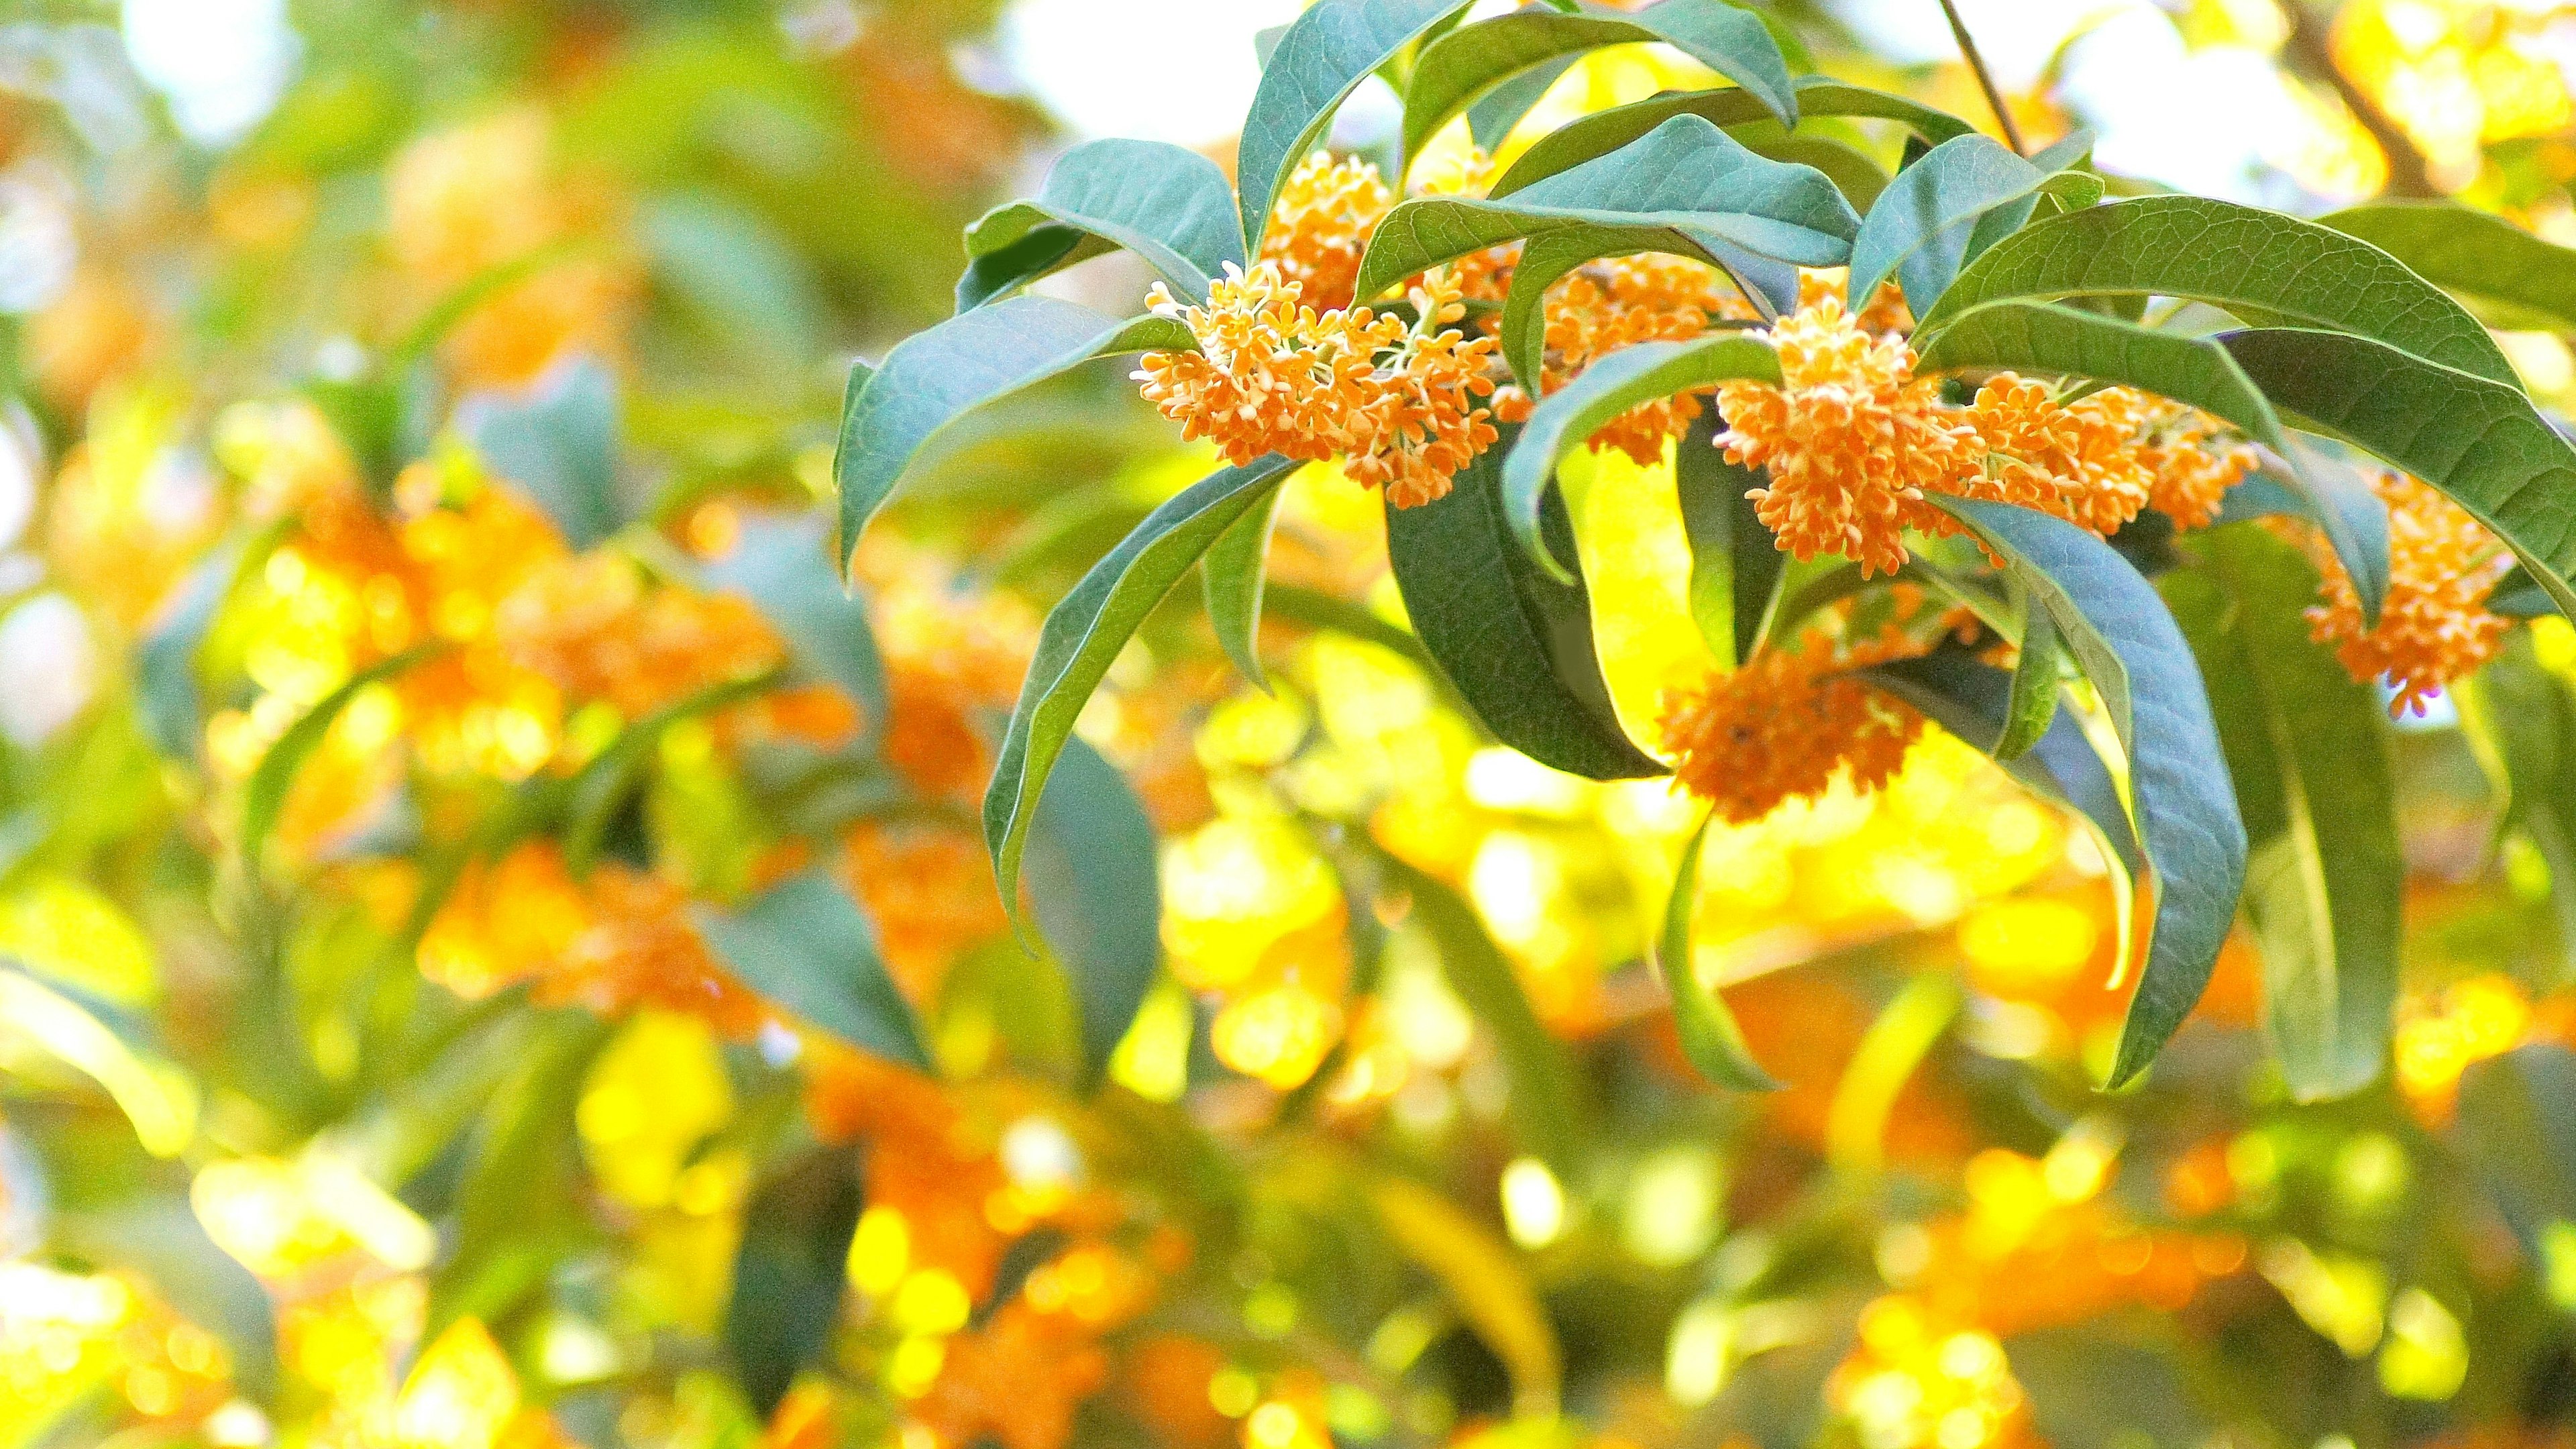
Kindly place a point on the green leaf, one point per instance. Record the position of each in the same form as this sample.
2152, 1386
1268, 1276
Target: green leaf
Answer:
2032, 707
1084, 633
2330, 493
1567, 418
264, 796
2513, 1112
933, 378
1095, 884
519, 1207
1233, 574
1606, 131
594, 797
783, 564
1326, 53
806, 945
558, 443
1973, 701
790, 1273
1547, 1109
1485, 1281
2479, 441
1517, 645
1709, 1035
1736, 565
2307, 748
1171, 206
1686, 187
166, 661
2527, 716
2120, 634
2261, 265
1491, 120
159, 1240
737, 275
1920, 229
1470, 61
2474, 252
1854, 172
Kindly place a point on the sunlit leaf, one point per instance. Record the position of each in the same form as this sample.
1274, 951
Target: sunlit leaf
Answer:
1709, 1035
264, 796
1234, 574
91, 1036
1170, 206
1323, 57
1486, 1282
2473, 252
1918, 230
160, 1242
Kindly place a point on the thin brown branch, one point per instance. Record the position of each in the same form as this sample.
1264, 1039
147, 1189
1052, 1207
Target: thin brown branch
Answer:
2310, 52
1985, 78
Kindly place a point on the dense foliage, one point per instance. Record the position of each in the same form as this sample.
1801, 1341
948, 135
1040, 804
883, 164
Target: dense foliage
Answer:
1827, 780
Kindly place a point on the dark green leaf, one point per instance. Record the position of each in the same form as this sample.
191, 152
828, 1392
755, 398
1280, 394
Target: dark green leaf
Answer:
558, 443
2331, 494
784, 565
1097, 891
2307, 749
1170, 206
1469, 61
1854, 172
1084, 633
1736, 565
1709, 1035
1324, 56
790, 1272
2120, 634
2033, 705
2481, 442
1567, 418
806, 945
1517, 644
933, 378
1233, 574
264, 797
2474, 252
2261, 265
1686, 187
1600, 134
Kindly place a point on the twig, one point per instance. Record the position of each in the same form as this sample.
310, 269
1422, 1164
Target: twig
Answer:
1985, 77
2311, 52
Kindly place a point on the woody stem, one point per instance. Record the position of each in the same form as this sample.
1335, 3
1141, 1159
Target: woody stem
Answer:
1985, 78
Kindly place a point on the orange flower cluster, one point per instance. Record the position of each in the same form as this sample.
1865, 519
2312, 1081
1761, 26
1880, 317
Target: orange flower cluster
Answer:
1320, 228
1783, 725
1614, 303
1851, 438
2434, 627
618, 940
1854, 442
593, 628
1273, 375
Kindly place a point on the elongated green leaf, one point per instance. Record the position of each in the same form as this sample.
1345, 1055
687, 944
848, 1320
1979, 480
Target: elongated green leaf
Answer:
1736, 565
2261, 265
2306, 746
2527, 715
1854, 172
1473, 59
264, 796
1973, 701
2474, 252
1171, 206
1094, 884
1084, 633
1686, 187
594, 799
784, 565
1322, 58
2119, 632
790, 1273
159, 1240
1918, 230
1709, 1035
1234, 573
933, 378
1491, 120
2513, 1110
1547, 1108
2481, 442
1517, 645
1565, 419
2033, 706
110, 1046
1604, 132
2329, 492
558, 443
518, 1209
806, 945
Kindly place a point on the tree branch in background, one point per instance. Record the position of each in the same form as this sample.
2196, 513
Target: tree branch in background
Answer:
2310, 52
1985, 77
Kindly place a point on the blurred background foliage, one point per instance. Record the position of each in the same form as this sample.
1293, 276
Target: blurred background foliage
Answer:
495, 951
